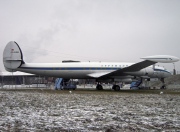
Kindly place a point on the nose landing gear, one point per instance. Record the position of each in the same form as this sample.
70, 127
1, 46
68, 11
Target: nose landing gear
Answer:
163, 84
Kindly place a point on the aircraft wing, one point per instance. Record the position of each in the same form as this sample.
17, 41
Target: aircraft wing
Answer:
148, 61
97, 75
132, 68
138, 66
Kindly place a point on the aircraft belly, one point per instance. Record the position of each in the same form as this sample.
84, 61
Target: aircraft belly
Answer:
76, 74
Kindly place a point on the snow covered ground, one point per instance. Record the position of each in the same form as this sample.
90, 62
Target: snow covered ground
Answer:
49, 110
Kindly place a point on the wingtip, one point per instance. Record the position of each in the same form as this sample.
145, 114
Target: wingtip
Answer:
162, 58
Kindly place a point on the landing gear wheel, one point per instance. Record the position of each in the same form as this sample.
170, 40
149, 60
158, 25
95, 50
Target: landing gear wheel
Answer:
113, 87
163, 87
99, 87
116, 87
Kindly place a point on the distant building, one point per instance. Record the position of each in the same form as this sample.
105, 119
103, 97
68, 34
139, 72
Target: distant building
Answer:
18, 78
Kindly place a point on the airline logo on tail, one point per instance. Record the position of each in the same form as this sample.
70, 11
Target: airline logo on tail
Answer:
12, 51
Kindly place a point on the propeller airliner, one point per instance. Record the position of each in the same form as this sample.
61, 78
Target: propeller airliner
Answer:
101, 71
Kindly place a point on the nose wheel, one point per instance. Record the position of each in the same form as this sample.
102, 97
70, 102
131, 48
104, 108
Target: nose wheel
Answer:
163, 82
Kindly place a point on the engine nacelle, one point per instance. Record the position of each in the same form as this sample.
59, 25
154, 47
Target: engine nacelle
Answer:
105, 80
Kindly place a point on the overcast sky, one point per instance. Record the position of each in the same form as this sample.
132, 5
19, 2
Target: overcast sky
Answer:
91, 30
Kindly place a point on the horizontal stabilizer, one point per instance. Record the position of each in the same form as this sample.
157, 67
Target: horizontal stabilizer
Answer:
162, 58
13, 60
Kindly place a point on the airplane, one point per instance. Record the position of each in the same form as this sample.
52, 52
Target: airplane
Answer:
101, 71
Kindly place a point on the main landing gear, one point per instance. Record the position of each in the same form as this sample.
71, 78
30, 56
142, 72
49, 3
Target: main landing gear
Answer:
114, 87
99, 87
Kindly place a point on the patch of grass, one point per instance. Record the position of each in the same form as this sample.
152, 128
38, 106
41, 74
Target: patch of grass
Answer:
94, 91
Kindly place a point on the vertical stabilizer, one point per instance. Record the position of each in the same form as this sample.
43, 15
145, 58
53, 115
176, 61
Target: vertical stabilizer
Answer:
12, 56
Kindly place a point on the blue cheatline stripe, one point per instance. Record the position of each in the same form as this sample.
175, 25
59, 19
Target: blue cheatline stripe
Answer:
161, 70
69, 68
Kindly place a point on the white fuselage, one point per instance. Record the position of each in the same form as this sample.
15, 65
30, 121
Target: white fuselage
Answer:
78, 70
